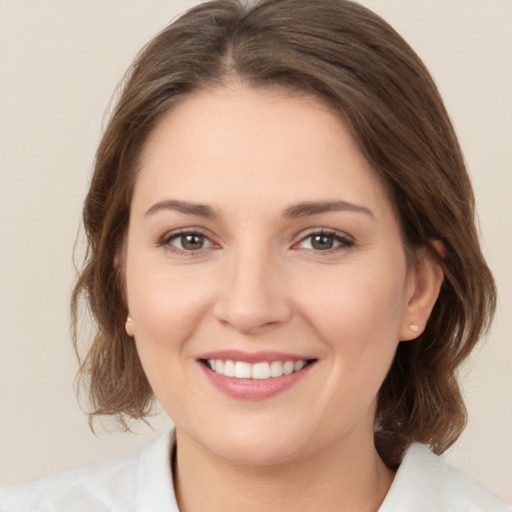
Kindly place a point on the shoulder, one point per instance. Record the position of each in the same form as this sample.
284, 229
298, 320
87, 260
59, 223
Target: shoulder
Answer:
114, 485
101, 486
425, 482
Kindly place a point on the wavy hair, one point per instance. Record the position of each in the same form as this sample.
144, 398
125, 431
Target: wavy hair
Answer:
346, 55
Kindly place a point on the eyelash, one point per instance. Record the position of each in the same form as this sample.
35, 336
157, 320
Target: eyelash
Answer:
342, 240
165, 241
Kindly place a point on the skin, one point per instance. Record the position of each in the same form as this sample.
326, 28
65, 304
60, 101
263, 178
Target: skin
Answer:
257, 283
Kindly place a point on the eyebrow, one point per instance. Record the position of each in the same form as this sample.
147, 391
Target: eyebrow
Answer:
314, 208
200, 210
294, 211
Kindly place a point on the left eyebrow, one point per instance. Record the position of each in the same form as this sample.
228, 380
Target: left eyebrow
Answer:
200, 210
314, 208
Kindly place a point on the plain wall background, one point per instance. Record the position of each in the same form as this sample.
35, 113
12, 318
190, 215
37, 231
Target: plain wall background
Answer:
60, 61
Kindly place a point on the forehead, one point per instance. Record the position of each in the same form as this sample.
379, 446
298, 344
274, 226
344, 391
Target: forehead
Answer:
257, 147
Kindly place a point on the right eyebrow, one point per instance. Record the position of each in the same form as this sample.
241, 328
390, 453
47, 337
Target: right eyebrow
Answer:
200, 210
314, 208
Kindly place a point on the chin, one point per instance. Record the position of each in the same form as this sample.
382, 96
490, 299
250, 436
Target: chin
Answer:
259, 452
254, 447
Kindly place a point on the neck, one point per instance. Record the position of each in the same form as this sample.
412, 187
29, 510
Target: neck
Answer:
350, 477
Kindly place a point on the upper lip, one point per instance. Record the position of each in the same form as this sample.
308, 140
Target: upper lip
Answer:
253, 357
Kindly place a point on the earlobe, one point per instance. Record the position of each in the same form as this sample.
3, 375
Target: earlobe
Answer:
414, 327
129, 326
426, 277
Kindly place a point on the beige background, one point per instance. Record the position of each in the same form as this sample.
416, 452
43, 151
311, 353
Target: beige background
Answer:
59, 63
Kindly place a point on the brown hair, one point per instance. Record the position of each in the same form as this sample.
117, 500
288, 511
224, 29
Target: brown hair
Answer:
351, 58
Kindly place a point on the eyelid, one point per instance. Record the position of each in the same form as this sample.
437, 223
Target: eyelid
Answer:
168, 236
344, 239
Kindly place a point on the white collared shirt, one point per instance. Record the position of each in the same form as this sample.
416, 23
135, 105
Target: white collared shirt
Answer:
142, 482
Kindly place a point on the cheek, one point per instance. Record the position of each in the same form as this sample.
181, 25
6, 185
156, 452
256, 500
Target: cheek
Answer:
357, 314
357, 319
167, 311
357, 298
166, 305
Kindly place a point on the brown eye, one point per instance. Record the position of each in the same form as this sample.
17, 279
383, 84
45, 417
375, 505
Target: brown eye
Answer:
189, 242
192, 242
322, 242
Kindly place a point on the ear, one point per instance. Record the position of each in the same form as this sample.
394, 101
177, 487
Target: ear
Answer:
424, 282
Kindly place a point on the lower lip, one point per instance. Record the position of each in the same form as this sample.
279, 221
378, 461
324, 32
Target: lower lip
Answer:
254, 389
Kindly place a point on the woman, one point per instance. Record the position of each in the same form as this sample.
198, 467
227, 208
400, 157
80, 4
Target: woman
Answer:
276, 254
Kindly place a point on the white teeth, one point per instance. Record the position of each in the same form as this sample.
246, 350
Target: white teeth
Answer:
276, 369
259, 371
288, 367
229, 369
243, 370
298, 366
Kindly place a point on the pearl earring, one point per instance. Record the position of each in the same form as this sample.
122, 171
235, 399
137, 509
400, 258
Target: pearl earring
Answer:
127, 326
414, 327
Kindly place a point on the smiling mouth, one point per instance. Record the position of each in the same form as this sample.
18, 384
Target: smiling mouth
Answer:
257, 371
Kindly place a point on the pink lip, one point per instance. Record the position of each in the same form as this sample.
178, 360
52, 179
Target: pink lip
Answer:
252, 357
253, 389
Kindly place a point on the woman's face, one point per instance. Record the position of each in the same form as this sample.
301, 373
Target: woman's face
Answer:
261, 241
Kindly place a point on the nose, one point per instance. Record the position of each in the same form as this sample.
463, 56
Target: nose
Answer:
253, 295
